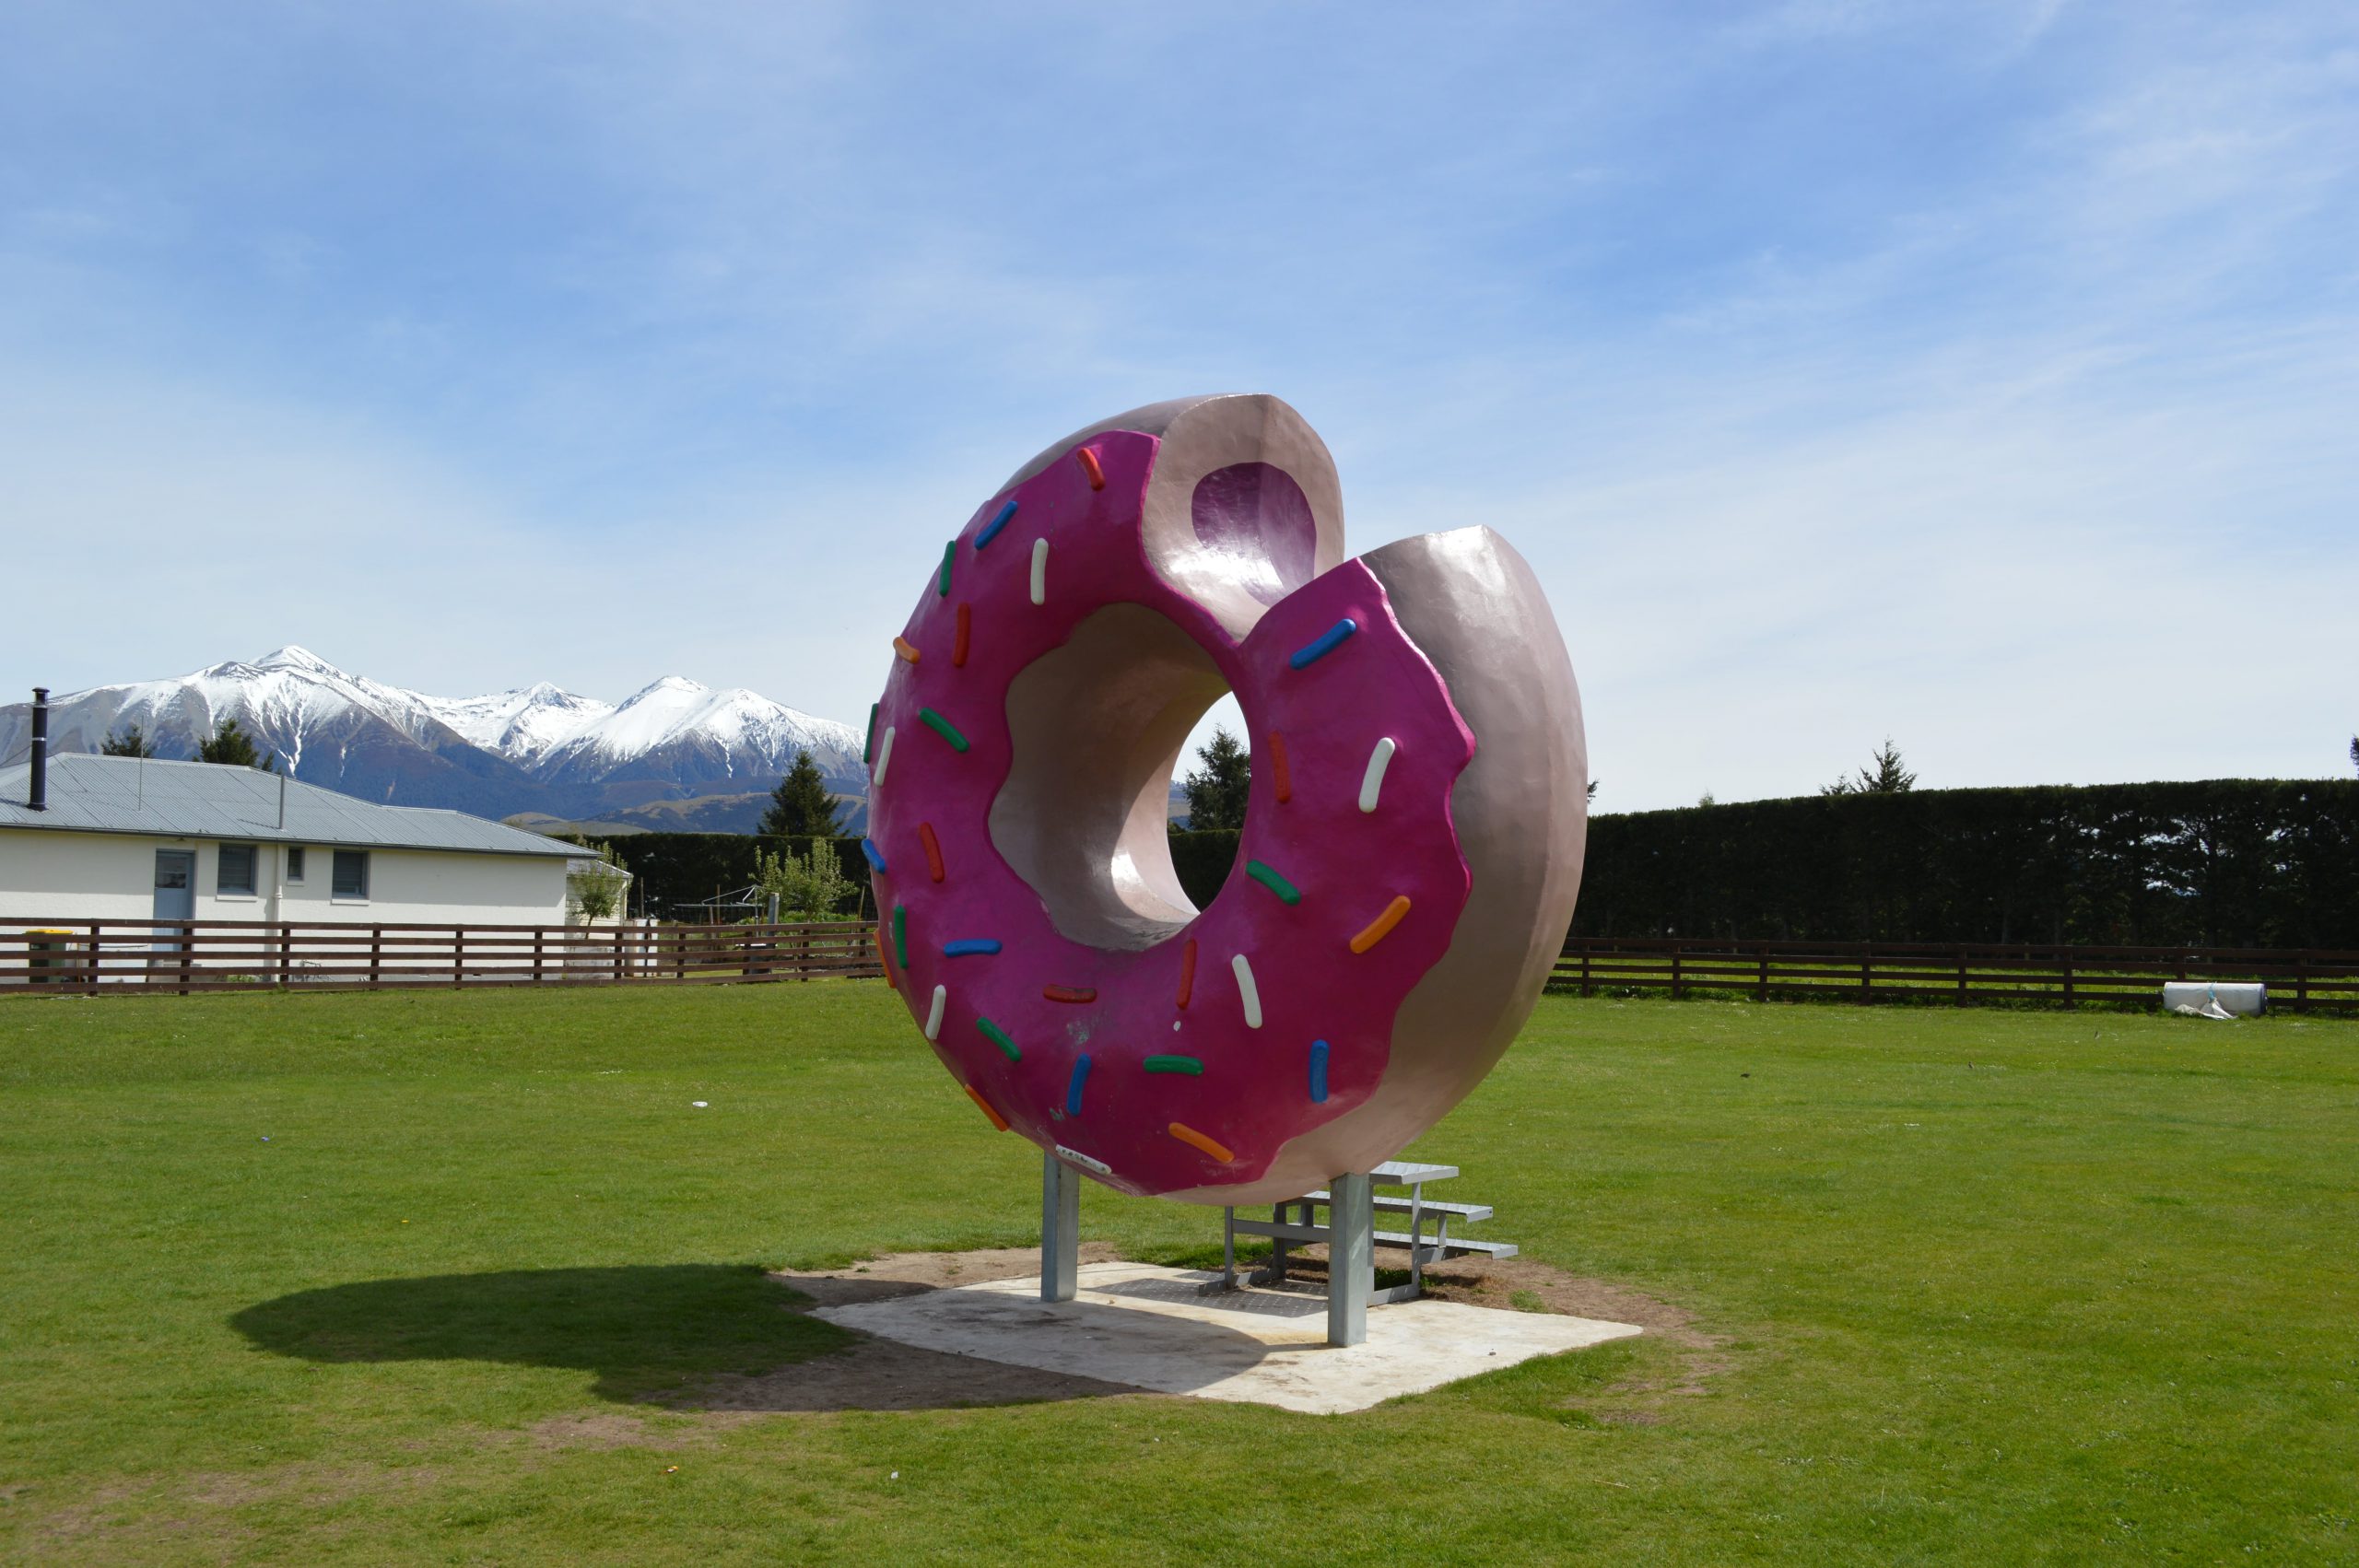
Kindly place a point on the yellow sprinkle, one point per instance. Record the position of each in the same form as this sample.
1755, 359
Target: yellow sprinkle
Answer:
1381, 927
901, 646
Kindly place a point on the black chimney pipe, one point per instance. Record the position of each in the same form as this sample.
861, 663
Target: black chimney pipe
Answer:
36, 791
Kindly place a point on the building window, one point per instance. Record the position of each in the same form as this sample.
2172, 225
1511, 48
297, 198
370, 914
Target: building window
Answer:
351, 878
295, 862
234, 870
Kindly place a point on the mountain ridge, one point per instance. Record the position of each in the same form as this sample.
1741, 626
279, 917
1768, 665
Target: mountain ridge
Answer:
530, 749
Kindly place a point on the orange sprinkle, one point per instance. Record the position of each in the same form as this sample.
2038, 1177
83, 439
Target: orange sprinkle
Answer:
998, 1120
959, 643
933, 846
1187, 971
901, 646
1089, 466
1190, 1136
885, 955
1381, 927
1069, 994
1280, 775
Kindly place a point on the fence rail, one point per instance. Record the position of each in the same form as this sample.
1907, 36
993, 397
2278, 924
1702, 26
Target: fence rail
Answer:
93, 957
1960, 973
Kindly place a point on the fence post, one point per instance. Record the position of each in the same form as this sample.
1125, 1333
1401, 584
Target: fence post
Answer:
1761, 988
285, 952
619, 952
2302, 981
540, 935
376, 957
1961, 975
1867, 971
188, 950
458, 955
2067, 978
90, 969
1674, 973
1587, 988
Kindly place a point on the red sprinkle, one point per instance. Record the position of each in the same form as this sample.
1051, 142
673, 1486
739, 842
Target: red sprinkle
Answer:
932, 847
1280, 775
959, 643
1069, 994
1089, 466
1187, 971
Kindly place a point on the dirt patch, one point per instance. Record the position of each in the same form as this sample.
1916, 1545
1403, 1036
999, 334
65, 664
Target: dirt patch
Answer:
601, 1430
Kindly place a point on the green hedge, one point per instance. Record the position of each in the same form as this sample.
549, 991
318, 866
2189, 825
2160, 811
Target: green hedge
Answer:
2224, 863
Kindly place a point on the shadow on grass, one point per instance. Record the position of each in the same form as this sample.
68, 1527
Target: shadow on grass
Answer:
642, 1330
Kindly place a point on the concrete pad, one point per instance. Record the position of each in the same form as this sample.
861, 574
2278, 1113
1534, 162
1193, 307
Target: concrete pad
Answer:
1151, 1328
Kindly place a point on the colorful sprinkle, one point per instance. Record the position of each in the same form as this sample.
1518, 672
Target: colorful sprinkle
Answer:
944, 728
970, 947
932, 847
1195, 1139
1247, 991
884, 756
1078, 1158
868, 747
1186, 972
998, 1120
901, 935
1381, 927
875, 856
885, 957
905, 648
1372, 781
1268, 877
1319, 1072
1072, 1085
933, 1013
1039, 571
949, 553
1322, 644
1281, 774
1070, 994
964, 634
1089, 466
998, 1037
999, 520
1181, 1064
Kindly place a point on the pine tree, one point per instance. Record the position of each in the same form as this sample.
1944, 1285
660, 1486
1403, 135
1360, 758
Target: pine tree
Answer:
1217, 791
802, 805
1886, 778
234, 748
126, 741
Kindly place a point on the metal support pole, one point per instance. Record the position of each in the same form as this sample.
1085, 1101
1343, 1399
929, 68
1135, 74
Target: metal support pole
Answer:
1351, 1258
1059, 1228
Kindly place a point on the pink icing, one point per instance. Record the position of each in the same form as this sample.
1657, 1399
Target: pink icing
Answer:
1254, 1093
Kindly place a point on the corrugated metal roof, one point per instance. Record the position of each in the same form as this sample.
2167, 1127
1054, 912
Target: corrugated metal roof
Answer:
90, 793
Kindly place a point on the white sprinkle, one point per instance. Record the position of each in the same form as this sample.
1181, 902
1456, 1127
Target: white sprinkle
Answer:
1100, 1166
1247, 991
885, 756
1373, 779
1039, 571
698, 1103
933, 1014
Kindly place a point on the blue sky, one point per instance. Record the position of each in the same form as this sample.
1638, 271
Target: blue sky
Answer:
1984, 376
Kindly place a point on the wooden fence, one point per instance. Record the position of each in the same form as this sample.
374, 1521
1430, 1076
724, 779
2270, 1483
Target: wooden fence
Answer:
110, 958
1960, 973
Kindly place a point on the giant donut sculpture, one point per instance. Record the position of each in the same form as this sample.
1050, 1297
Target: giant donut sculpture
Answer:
1413, 839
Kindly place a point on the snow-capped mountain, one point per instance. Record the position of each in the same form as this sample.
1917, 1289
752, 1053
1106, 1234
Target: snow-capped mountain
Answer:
535, 749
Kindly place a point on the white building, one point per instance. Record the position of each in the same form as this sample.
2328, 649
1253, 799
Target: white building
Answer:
136, 838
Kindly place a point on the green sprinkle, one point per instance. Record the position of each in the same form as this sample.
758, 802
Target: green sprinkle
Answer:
1287, 891
949, 553
1186, 1064
998, 1037
901, 935
868, 751
949, 731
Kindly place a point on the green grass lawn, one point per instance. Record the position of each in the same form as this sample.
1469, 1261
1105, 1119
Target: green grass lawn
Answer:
368, 1278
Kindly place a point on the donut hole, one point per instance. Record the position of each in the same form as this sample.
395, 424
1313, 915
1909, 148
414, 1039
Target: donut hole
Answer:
1097, 726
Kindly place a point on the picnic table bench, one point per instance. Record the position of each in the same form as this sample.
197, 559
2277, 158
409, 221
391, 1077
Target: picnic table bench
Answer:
1292, 1220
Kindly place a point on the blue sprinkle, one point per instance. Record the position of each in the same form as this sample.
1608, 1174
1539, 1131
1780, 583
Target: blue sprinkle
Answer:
875, 857
1073, 1090
1325, 644
972, 945
1319, 1072
991, 529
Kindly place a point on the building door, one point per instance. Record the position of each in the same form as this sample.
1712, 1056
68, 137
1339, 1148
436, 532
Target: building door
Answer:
175, 891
